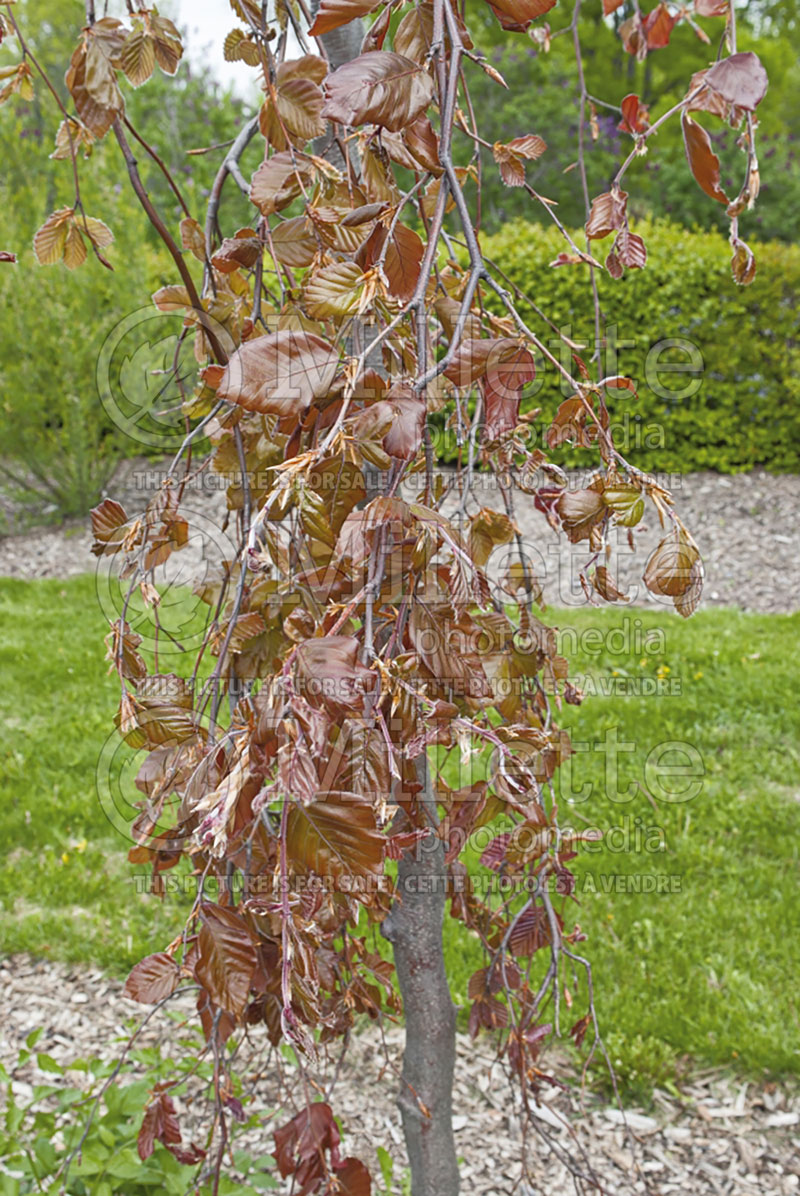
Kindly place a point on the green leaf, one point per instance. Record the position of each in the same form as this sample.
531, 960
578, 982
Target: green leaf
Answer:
48, 1063
46, 1153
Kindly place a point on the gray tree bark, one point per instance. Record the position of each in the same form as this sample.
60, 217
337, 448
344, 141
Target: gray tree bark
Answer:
414, 928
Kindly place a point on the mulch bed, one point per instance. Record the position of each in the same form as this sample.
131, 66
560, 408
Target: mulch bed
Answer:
722, 1135
746, 527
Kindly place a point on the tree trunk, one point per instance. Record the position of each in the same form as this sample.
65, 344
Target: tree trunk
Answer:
414, 928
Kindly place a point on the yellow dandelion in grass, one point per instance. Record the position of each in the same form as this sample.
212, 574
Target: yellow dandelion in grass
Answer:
698, 675
64, 857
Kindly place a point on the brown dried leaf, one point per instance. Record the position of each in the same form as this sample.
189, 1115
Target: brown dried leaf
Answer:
743, 263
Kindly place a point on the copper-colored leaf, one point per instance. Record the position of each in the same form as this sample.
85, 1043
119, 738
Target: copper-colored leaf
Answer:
138, 57
70, 139
512, 168
334, 291
488, 529
169, 48
242, 250
330, 675
308, 66
739, 79
293, 242
153, 978
160, 1124
530, 146
279, 374
634, 115
669, 570
607, 214
421, 141
414, 33
335, 836
301, 1144
279, 180
473, 358
619, 382
687, 602
299, 102
580, 511
49, 242
109, 525
226, 957
403, 260
703, 161
606, 587
238, 47
172, 298
440, 645
516, 15
380, 88
630, 249
333, 13
376, 34
74, 248
97, 115
353, 1178
98, 233
658, 26
404, 437
502, 389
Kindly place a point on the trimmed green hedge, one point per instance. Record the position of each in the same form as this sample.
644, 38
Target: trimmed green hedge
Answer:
740, 408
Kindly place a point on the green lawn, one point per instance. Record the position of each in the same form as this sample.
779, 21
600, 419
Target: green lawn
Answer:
707, 968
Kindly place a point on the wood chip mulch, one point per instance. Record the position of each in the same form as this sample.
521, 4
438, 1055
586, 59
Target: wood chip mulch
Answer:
723, 1135
746, 527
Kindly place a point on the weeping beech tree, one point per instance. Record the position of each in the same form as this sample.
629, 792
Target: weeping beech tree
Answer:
370, 689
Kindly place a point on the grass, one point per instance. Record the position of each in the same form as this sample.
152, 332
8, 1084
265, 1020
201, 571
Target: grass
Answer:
707, 968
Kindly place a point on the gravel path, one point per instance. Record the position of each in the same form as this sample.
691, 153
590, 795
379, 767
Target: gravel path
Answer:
723, 1136
747, 528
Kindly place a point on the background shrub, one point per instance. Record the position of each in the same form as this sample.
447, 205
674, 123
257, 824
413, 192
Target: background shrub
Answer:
744, 412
